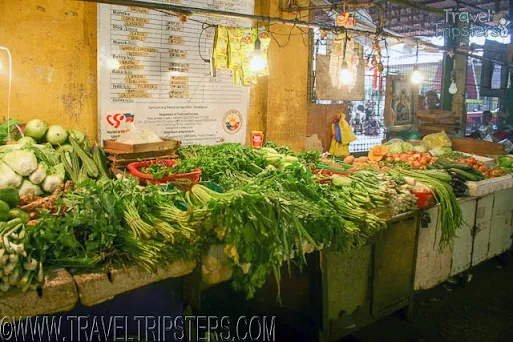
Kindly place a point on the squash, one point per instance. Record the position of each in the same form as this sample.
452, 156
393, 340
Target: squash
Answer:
349, 160
377, 153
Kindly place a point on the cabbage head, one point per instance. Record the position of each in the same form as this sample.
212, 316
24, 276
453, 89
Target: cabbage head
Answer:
22, 162
420, 148
29, 189
395, 148
8, 178
38, 176
440, 151
406, 147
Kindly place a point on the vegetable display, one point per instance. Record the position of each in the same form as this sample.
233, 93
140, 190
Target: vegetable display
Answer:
265, 207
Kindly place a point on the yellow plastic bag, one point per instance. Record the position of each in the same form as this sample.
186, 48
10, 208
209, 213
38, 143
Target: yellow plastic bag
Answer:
436, 140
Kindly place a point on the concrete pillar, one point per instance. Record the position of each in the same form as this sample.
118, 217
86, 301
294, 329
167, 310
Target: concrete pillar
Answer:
279, 103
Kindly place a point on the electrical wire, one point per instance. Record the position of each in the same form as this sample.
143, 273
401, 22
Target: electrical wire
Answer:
9, 89
204, 27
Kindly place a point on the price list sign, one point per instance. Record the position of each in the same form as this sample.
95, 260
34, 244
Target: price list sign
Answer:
154, 74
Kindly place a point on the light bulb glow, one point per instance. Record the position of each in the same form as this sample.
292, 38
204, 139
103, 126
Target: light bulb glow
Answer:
416, 77
257, 63
453, 89
346, 75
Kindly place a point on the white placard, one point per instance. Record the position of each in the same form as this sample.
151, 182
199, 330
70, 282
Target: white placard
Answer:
152, 75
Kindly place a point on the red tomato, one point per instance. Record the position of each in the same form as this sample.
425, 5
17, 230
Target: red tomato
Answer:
471, 161
403, 157
416, 164
417, 156
475, 166
496, 173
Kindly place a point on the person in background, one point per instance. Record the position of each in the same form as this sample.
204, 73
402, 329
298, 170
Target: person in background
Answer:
485, 130
431, 100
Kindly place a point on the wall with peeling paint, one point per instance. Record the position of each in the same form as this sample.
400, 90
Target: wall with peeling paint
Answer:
53, 44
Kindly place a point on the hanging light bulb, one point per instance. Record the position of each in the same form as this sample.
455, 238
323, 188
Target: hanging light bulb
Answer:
257, 63
416, 75
345, 76
453, 89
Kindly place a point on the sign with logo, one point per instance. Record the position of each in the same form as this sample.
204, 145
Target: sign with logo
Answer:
232, 121
118, 123
152, 77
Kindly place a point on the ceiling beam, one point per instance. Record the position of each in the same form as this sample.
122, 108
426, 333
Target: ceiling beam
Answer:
413, 4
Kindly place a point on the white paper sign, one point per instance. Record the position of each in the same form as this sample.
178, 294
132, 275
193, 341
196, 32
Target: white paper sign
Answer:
152, 75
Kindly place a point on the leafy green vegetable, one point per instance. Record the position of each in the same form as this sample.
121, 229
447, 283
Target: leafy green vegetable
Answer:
8, 126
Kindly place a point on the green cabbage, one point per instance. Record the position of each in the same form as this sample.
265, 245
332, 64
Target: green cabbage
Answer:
39, 175
8, 178
395, 148
420, 148
406, 147
440, 151
29, 189
51, 183
22, 162
55, 178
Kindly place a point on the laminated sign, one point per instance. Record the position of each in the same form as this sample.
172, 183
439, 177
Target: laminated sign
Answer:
155, 72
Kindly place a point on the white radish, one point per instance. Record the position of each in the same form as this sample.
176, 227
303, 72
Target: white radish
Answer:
13, 258
30, 264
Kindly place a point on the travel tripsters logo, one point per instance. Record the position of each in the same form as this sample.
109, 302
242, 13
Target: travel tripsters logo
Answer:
474, 25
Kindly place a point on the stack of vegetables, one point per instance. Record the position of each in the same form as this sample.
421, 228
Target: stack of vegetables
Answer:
505, 164
265, 206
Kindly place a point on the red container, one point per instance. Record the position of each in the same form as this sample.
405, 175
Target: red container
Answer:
257, 139
183, 179
424, 199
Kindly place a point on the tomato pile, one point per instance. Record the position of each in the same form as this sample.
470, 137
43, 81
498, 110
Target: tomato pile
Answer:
478, 165
417, 160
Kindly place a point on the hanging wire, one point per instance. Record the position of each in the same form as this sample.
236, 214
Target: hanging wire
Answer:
204, 27
9, 89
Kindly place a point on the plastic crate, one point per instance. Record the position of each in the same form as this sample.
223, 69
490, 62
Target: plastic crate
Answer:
181, 179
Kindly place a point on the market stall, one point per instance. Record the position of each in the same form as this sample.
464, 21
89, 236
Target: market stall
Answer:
175, 178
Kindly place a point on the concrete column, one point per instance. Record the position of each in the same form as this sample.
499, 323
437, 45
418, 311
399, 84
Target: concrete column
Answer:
279, 103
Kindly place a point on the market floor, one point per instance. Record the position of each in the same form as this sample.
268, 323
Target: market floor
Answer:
481, 311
